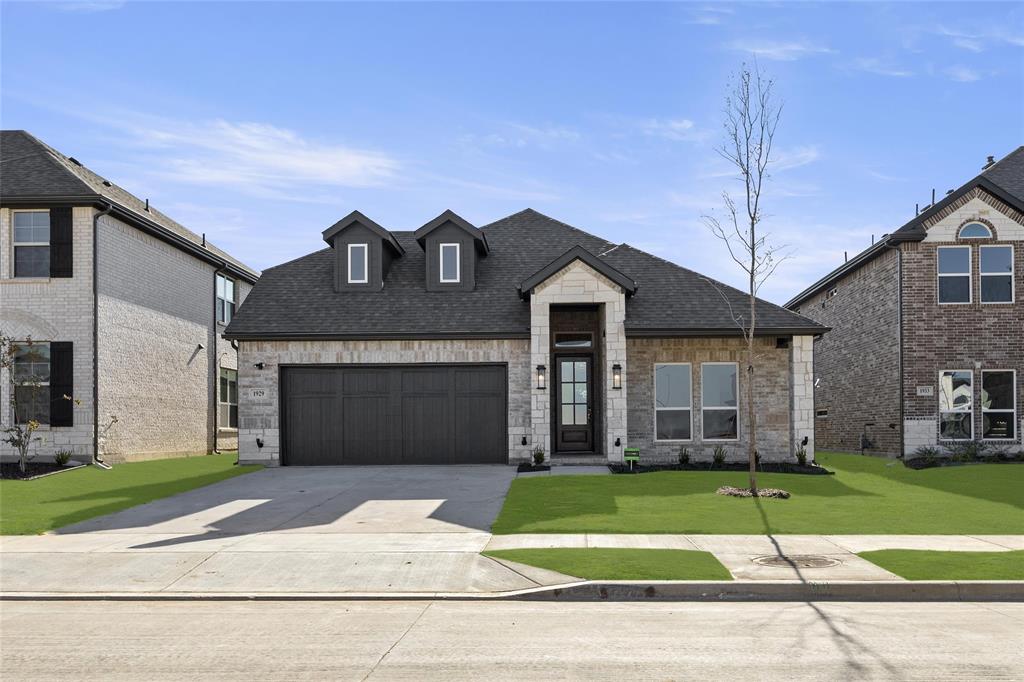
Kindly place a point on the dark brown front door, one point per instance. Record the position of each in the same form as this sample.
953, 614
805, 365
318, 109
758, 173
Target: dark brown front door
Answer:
574, 413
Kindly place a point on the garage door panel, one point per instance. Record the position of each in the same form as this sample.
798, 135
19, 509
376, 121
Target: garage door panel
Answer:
394, 414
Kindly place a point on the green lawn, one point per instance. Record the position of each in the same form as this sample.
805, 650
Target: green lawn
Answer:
914, 564
28, 507
867, 495
621, 564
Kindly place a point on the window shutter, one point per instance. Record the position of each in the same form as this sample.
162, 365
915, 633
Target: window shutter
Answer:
61, 248
62, 370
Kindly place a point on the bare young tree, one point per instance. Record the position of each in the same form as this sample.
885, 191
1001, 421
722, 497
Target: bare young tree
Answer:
751, 118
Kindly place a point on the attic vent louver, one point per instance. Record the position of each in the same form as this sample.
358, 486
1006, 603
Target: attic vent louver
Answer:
74, 161
106, 183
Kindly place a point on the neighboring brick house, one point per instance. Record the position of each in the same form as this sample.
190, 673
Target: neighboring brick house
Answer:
120, 302
458, 344
927, 340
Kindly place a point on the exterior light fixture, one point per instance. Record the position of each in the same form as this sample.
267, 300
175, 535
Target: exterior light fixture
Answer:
541, 377
617, 376
259, 365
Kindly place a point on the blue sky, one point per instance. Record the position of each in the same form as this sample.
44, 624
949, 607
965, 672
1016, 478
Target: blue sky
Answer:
262, 123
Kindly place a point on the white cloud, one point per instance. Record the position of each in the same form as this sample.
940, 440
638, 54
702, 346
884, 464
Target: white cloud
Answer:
980, 40
962, 74
779, 51
256, 156
796, 157
881, 68
676, 129
520, 135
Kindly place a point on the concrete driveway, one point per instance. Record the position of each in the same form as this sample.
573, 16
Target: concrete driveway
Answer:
411, 529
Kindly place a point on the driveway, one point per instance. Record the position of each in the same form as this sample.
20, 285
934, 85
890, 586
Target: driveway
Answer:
410, 529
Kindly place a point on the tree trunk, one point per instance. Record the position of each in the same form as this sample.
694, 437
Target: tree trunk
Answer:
751, 413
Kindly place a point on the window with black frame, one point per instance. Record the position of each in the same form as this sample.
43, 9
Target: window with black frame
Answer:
228, 398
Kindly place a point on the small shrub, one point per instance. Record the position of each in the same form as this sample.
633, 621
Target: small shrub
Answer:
684, 455
967, 451
62, 457
801, 456
927, 453
719, 455
538, 456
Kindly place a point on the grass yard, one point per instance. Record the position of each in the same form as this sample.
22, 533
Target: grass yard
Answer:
866, 495
595, 563
29, 507
915, 564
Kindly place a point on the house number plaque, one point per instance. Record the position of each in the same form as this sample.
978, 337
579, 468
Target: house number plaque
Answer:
258, 393
925, 390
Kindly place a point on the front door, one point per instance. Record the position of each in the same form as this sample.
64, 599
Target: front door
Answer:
575, 430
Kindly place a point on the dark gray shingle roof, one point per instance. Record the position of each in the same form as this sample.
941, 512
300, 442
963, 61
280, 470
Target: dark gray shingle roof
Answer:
297, 299
30, 169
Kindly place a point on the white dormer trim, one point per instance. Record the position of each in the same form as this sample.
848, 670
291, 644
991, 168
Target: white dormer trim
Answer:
366, 264
458, 262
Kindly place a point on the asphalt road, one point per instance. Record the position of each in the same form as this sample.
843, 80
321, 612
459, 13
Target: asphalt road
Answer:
508, 640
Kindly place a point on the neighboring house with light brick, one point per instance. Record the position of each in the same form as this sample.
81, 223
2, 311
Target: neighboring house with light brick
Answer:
459, 344
124, 307
927, 340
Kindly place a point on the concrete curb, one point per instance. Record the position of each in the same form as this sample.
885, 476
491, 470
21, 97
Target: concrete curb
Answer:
921, 591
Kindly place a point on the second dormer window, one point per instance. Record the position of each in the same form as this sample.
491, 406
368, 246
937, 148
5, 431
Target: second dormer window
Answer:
450, 263
358, 266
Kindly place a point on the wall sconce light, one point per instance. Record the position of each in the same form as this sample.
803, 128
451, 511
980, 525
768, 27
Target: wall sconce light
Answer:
541, 377
259, 365
617, 376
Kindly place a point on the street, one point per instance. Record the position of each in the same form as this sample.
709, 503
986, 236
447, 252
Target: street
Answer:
165, 640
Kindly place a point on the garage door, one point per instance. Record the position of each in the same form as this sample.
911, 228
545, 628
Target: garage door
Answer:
450, 414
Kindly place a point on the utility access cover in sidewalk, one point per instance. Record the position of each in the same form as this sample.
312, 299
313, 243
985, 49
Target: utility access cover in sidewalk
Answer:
797, 561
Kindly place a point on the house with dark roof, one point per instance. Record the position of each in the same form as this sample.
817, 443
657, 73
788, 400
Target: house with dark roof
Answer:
124, 308
927, 341
462, 344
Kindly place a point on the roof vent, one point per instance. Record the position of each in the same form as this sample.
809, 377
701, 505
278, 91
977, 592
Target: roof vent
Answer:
74, 161
106, 183
991, 161
949, 191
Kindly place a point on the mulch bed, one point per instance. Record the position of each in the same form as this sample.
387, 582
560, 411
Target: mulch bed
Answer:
766, 467
919, 463
745, 492
10, 470
523, 468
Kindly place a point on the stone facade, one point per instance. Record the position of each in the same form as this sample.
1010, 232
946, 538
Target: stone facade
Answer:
259, 407
775, 387
858, 362
155, 308
578, 283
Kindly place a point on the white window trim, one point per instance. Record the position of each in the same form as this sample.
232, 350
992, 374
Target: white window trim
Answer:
959, 231
15, 243
938, 397
1013, 275
672, 409
366, 264
733, 409
41, 384
458, 263
1016, 426
234, 296
969, 274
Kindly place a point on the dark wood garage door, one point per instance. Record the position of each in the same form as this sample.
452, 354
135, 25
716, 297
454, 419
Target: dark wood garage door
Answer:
450, 414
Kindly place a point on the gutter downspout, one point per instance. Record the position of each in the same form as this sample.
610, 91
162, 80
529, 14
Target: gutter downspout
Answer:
96, 338
216, 359
238, 450
899, 337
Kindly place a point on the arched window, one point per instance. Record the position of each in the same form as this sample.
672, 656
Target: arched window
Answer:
975, 231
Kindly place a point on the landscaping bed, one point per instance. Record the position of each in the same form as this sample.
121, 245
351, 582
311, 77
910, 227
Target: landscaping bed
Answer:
10, 471
765, 467
526, 468
918, 463
598, 563
913, 564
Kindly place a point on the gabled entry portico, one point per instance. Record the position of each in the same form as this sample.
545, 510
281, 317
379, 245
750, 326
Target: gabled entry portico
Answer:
579, 406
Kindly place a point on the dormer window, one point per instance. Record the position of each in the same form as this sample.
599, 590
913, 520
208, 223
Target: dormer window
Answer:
450, 263
975, 231
358, 263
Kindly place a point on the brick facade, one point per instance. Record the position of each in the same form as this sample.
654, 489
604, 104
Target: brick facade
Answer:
774, 385
858, 361
155, 307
